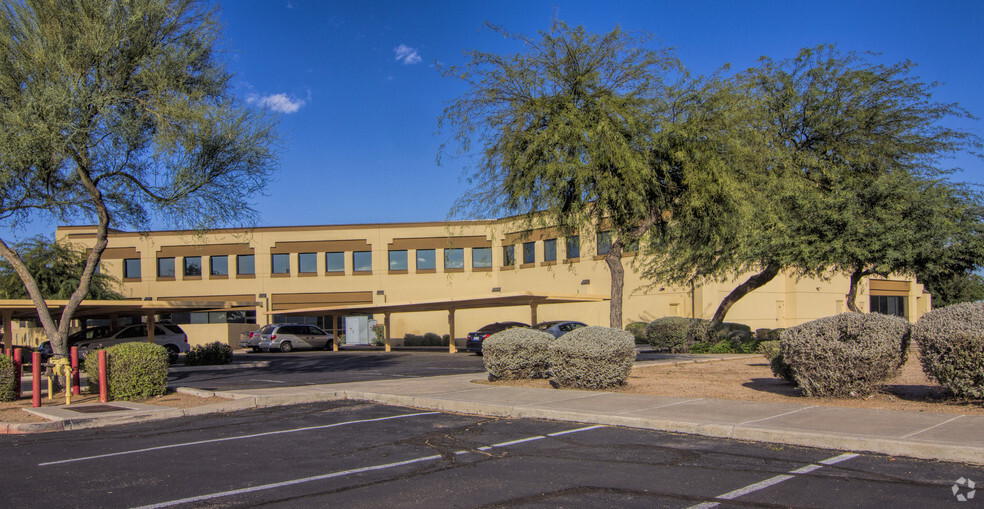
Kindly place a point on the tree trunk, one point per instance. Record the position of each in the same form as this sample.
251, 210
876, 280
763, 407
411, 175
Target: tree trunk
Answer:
751, 284
852, 294
614, 261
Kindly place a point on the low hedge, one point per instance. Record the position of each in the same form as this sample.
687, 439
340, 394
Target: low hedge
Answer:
845, 355
592, 358
517, 353
134, 370
638, 330
951, 347
428, 339
669, 333
8, 383
208, 355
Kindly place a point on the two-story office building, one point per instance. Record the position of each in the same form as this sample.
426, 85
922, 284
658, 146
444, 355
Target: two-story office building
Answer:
477, 270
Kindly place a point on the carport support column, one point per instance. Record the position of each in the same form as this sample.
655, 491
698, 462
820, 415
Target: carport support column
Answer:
8, 328
151, 322
533, 320
334, 333
451, 346
386, 326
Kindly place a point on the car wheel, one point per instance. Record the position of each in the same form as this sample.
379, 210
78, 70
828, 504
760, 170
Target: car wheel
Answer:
172, 353
478, 354
328, 345
286, 346
257, 349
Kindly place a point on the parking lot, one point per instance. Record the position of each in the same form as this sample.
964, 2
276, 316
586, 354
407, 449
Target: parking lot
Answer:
367, 455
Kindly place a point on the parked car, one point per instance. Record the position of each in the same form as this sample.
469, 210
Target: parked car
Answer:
253, 338
559, 327
288, 336
168, 335
475, 339
75, 338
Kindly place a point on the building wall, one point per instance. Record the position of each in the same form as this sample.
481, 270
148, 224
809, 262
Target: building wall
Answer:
784, 302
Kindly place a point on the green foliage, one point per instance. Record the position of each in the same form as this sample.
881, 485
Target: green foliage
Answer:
770, 349
953, 287
638, 330
669, 333
845, 355
9, 391
134, 370
210, 354
428, 339
706, 331
116, 113
517, 353
768, 334
595, 358
57, 269
951, 347
379, 334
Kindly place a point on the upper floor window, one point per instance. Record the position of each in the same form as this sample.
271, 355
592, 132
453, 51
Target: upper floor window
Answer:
165, 267
573, 246
604, 242
426, 259
335, 262
550, 250
245, 264
529, 252
218, 265
481, 257
280, 263
192, 265
362, 261
131, 268
398, 260
454, 258
508, 255
307, 263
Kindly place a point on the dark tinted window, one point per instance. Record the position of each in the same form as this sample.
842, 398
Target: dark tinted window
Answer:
280, 263
245, 264
307, 262
550, 250
219, 265
165, 267
133, 332
335, 262
173, 328
574, 246
131, 268
193, 266
426, 259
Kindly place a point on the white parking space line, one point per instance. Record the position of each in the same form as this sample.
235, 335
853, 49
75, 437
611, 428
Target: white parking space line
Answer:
268, 381
253, 489
240, 437
751, 488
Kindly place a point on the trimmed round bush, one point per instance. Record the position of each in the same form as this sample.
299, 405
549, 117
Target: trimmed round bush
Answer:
845, 355
208, 355
8, 384
669, 333
951, 347
134, 370
592, 358
516, 354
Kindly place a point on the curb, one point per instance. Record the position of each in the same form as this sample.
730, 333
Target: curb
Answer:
220, 367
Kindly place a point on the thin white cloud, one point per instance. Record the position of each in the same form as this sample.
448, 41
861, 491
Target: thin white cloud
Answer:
407, 55
277, 102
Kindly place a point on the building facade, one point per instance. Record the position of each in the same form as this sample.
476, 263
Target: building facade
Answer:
298, 267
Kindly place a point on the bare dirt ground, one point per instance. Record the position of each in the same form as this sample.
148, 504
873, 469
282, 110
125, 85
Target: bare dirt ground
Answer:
750, 379
12, 411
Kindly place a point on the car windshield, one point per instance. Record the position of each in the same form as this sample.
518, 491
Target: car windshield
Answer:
545, 325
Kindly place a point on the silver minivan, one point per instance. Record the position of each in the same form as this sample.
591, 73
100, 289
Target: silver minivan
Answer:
253, 338
288, 336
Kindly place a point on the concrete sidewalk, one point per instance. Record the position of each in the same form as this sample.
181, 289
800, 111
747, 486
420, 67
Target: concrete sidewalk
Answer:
923, 435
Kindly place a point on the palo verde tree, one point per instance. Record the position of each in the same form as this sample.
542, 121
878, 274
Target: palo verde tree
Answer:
57, 269
818, 129
119, 111
566, 132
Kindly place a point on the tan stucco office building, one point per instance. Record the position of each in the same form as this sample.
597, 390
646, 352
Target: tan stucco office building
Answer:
299, 267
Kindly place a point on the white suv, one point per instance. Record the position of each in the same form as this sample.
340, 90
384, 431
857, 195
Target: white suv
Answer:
168, 335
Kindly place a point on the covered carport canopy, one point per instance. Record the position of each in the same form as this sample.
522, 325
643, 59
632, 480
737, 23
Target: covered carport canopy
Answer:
530, 299
22, 309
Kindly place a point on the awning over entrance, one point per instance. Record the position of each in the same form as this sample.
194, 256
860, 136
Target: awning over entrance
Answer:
530, 299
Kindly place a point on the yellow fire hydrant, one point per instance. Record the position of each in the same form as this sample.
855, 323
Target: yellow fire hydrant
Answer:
61, 366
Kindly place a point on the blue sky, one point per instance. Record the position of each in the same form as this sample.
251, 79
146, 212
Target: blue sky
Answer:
359, 95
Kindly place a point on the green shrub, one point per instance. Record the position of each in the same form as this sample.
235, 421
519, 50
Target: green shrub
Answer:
592, 358
428, 339
379, 334
517, 353
770, 349
210, 354
951, 347
134, 370
432, 339
8, 384
701, 347
767, 334
845, 355
669, 333
638, 330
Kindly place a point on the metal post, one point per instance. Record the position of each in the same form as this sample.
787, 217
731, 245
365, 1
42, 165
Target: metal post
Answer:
452, 348
76, 379
103, 384
36, 382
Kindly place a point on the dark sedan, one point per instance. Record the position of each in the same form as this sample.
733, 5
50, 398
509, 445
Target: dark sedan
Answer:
559, 327
475, 339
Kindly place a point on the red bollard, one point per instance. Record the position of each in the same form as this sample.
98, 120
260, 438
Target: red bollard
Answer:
18, 366
76, 390
36, 382
103, 386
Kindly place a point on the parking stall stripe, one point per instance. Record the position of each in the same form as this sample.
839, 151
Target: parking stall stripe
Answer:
253, 489
751, 488
241, 437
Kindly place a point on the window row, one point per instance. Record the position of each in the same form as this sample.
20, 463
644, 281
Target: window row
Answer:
572, 244
454, 259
